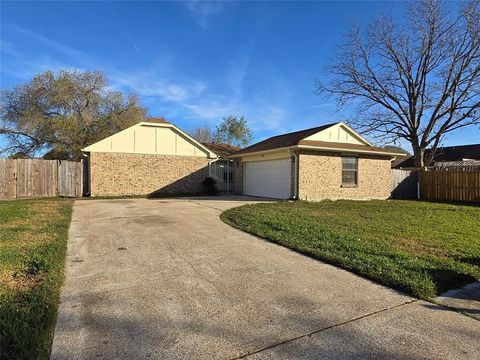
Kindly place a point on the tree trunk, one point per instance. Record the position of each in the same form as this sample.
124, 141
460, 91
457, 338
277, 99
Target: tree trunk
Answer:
419, 157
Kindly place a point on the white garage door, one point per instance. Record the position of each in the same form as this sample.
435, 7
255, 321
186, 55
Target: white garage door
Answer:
268, 178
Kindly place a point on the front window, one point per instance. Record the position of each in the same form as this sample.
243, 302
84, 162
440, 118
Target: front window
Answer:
349, 170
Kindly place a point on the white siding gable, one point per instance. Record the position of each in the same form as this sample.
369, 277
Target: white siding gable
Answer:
339, 133
151, 138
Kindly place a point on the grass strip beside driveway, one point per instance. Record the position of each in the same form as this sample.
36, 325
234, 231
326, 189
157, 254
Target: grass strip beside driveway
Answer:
421, 248
33, 241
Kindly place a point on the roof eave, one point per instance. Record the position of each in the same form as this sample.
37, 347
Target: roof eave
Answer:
210, 153
259, 152
346, 150
320, 148
155, 124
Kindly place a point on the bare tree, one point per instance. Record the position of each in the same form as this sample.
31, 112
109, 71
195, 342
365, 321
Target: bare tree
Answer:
204, 134
416, 80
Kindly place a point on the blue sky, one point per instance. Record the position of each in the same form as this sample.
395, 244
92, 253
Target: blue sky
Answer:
194, 62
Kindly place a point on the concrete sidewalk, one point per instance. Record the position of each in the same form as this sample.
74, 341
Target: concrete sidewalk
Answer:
465, 300
166, 279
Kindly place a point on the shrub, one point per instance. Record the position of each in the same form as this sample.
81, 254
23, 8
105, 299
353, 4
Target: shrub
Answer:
210, 186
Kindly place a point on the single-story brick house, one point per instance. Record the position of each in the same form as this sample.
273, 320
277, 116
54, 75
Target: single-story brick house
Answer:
155, 157
326, 162
151, 157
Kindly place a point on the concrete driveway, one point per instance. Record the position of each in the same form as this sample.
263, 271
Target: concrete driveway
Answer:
187, 286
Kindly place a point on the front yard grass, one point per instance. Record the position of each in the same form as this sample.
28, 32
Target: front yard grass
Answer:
33, 240
418, 247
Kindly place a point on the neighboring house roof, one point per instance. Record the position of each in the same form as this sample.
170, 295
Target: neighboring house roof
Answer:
308, 139
398, 160
448, 154
222, 150
140, 138
467, 163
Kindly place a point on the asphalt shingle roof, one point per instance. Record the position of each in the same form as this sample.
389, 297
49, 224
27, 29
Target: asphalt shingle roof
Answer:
284, 140
448, 153
223, 150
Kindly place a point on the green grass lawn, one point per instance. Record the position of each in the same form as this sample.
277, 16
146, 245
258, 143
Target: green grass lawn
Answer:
33, 239
421, 248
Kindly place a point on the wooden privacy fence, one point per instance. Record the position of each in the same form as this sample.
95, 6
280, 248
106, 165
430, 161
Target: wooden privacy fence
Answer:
21, 178
448, 184
404, 184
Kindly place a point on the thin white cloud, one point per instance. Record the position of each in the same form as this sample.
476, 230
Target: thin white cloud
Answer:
66, 50
23, 67
151, 84
202, 11
210, 109
143, 83
166, 91
271, 117
124, 29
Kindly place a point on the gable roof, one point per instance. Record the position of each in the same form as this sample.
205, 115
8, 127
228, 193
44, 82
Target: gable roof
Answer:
154, 122
448, 153
301, 139
221, 150
282, 141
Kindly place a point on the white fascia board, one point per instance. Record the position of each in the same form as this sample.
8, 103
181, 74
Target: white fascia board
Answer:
258, 152
343, 150
211, 154
319, 148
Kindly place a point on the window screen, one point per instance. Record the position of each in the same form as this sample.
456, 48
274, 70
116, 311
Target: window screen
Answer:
349, 170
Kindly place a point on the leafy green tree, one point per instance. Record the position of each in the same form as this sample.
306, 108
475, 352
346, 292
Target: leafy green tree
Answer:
233, 130
60, 113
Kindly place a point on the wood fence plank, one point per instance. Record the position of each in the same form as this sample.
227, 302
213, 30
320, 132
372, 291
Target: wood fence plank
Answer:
20, 178
7, 179
404, 184
452, 185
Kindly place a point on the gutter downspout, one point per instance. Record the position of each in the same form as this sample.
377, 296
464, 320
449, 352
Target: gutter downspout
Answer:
210, 165
86, 180
295, 175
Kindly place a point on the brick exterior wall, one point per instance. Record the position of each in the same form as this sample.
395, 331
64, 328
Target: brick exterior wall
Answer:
238, 177
143, 174
320, 177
